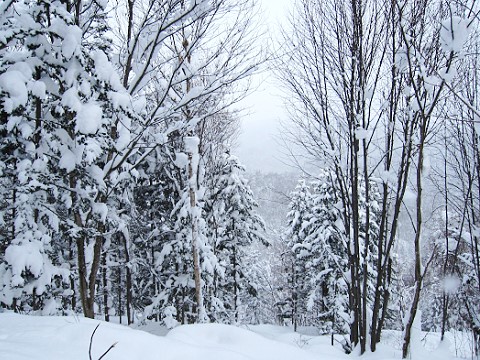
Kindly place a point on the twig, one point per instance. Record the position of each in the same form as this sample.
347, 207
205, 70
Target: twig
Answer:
106, 352
91, 342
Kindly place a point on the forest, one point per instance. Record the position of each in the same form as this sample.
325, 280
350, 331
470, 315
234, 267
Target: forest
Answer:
121, 199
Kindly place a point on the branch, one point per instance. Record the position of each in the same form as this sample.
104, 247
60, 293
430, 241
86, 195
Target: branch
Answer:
91, 343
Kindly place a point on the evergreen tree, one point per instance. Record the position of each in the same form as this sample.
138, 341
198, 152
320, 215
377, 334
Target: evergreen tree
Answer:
33, 63
71, 110
320, 289
294, 260
237, 228
326, 257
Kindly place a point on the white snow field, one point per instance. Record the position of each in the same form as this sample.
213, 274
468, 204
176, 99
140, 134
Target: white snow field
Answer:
48, 338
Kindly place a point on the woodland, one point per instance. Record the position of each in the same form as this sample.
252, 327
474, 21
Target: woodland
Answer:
121, 199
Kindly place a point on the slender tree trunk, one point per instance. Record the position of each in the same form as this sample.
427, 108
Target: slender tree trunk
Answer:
294, 297
88, 287
381, 288
87, 304
14, 213
366, 249
419, 271
82, 277
119, 293
128, 280
106, 309
445, 297
34, 299
235, 285
201, 315
73, 301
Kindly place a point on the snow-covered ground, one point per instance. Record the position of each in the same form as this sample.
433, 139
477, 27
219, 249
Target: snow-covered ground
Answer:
49, 338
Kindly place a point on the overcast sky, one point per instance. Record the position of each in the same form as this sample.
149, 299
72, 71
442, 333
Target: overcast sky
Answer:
258, 149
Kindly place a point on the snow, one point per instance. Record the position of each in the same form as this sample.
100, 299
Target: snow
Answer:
194, 93
362, 134
105, 70
38, 89
101, 210
68, 160
191, 144
51, 337
181, 160
70, 99
97, 174
451, 284
13, 83
89, 118
26, 130
26, 256
103, 4
32, 337
454, 33
72, 40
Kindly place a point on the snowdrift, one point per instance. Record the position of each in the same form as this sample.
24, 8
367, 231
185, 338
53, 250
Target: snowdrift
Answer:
68, 338
49, 338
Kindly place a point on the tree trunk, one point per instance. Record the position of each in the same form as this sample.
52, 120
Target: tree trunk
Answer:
106, 309
71, 259
445, 296
119, 293
419, 271
82, 278
235, 285
294, 297
128, 281
201, 314
88, 287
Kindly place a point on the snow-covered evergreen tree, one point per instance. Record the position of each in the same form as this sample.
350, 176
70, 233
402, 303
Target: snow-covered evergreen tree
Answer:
33, 64
318, 240
300, 205
326, 262
237, 227
73, 110
97, 126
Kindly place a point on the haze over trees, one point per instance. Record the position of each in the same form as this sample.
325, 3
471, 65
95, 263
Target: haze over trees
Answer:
120, 196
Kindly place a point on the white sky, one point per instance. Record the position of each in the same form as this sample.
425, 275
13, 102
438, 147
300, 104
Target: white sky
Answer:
258, 149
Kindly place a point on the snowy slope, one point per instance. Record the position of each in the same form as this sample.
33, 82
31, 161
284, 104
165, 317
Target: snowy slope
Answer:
49, 338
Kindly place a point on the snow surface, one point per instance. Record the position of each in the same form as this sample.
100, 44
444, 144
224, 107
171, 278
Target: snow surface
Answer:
50, 337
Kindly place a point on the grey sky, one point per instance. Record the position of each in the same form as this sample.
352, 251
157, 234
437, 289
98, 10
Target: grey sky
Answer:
258, 149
